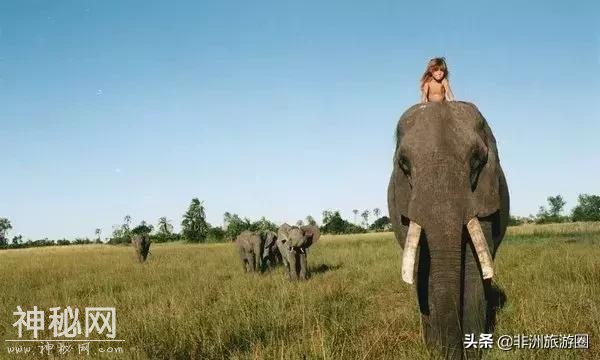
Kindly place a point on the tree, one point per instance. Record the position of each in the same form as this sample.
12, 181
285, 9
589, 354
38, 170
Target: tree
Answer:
587, 209
17, 240
263, 225
234, 225
355, 211
376, 212
126, 224
165, 229
98, 231
126, 229
5, 225
552, 215
194, 226
365, 215
327, 215
300, 223
381, 224
311, 220
334, 224
557, 203
142, 229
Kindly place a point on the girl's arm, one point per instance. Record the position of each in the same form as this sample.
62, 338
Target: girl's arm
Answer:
424, 92
449, 94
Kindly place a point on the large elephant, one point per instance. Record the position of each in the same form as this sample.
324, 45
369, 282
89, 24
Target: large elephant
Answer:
293, 243
141, 246
448, 198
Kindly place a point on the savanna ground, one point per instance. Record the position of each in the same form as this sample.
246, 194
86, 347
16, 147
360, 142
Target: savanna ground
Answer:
194, 301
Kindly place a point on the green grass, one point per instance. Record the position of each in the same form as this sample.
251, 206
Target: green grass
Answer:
194, 301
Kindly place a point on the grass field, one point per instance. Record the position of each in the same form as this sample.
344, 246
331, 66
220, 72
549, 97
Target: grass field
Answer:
194, 302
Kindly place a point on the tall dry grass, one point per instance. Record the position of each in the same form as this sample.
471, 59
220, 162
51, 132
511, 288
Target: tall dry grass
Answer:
194, 301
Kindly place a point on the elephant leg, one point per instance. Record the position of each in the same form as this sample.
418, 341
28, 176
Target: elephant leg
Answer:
258, 265
303, 265
293, 259
243, 259
251, 262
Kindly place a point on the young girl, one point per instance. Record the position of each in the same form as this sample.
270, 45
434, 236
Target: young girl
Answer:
434, 83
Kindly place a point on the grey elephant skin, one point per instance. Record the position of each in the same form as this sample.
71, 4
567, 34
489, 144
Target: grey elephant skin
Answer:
250, 246
271, 256
293, 243
446, 189
141, 246
258, 250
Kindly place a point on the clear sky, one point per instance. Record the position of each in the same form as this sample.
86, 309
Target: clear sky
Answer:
275, 108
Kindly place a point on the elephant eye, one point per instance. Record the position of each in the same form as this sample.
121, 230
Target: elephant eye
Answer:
404, 164
477, 161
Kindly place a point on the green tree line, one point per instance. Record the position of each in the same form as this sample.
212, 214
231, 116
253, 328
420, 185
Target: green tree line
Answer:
195, 228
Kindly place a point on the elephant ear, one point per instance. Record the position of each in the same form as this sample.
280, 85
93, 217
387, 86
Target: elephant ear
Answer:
399, 193
270, 239
311, 233
487, 186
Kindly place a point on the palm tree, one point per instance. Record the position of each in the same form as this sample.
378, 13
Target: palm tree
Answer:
355, 211
164, 226
365, 215
376, 212
5, 225
126, 226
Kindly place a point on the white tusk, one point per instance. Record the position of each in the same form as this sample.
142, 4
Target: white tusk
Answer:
410, 252
481, 247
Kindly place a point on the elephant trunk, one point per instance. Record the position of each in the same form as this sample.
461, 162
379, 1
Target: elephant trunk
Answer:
439, 287
440, 209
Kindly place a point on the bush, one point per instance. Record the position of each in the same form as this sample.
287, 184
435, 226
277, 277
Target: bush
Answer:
334, 224
215, 234
588, 208
381, 224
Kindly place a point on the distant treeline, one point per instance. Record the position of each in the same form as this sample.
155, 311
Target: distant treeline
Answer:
195, 228
587, 209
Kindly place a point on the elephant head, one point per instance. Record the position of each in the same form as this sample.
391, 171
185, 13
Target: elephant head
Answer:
293, 243
448, 198
141, 246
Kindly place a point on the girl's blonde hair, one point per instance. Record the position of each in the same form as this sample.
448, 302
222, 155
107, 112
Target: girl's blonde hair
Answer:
434, 64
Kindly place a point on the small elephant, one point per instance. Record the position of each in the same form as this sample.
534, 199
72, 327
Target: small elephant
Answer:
141, 245
251, 249
293, 243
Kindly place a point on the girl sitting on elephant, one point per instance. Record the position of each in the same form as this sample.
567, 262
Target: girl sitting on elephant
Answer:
435, 86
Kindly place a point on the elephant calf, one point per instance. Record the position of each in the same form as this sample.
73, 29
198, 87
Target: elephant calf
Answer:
141, 245
250, 248
293, 243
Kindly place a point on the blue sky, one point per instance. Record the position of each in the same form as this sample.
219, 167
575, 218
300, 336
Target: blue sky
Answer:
275, 108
